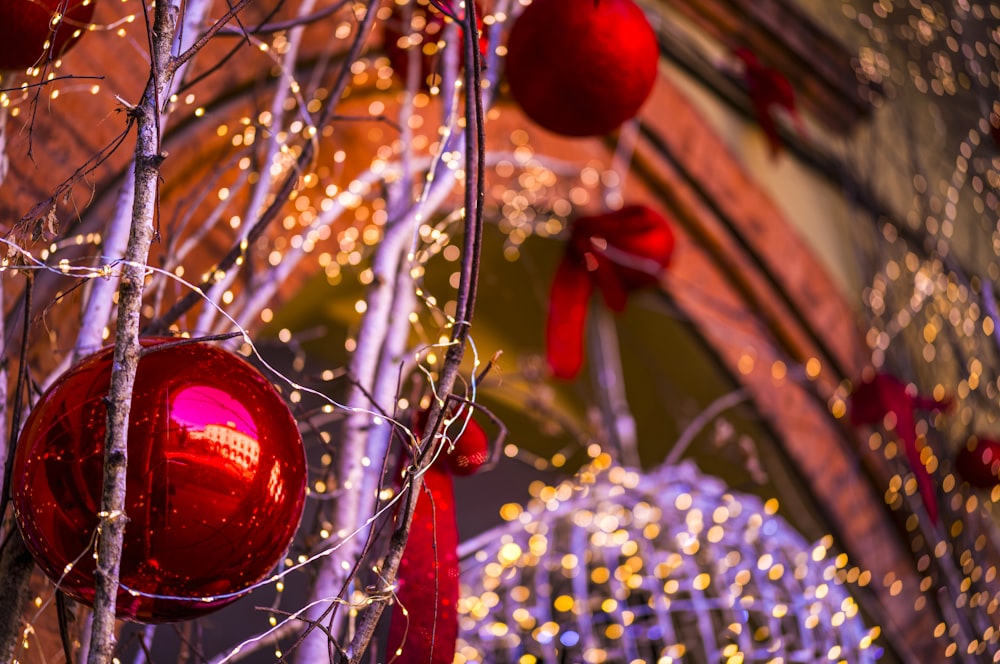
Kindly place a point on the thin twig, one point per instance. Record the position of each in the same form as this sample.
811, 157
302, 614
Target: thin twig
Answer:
16, 563
469, 277
280, 26
52, 80
289, 184
192, 50
283, 88
249, 648
62, 613
6, 449
609, 386
714, 409
18, 402
149, 350
100, 300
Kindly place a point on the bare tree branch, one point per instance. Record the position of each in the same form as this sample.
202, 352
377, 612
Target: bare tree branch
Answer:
148, 159
468, 282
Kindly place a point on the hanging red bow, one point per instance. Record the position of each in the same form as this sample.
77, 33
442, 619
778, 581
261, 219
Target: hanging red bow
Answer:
768, 90
883, 394
618, 252
428, 570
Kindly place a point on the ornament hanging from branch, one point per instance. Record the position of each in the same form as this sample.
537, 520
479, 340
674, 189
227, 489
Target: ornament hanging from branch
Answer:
617, 252
215, 483
424, 623
33, 30
581, 68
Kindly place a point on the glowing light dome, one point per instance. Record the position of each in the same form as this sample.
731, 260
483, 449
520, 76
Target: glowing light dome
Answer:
667, 566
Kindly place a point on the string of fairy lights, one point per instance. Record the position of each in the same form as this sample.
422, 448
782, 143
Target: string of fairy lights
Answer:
929, 297
351, 242
916, 301
519, 205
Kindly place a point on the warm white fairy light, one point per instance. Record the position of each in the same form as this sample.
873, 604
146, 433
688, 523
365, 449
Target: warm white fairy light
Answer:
930, 306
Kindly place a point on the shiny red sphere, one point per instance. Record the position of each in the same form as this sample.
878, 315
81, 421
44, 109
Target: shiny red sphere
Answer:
978, 462
215, 482
26, 26
581, 67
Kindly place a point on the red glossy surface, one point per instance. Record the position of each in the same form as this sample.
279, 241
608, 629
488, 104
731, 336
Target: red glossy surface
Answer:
581, 68
215, 483
25, 26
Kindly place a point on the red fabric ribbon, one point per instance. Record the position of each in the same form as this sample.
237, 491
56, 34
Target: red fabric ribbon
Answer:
428, 570
883, 394
768, 90
617, 253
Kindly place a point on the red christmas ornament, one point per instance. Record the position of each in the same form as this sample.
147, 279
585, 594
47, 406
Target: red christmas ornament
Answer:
581, 68
769, 90
428, 570
978, 462
215, 482
883, 395
27, 26
617, 252
423, 34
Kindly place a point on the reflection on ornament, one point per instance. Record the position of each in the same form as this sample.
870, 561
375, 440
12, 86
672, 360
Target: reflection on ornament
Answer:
581, 68
978, 462
31, 29
215, 483
668, 566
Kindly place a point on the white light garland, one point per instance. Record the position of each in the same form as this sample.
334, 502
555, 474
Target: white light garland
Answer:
667, 566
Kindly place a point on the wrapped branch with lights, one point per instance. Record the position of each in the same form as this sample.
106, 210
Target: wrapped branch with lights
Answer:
406, 218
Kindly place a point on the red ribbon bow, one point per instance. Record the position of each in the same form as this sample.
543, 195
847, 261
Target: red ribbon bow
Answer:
618, 252
428, 570
768, 90
883, 394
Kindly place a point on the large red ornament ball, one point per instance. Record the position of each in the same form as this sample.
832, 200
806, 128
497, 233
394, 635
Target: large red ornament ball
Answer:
978, 462
215, 483
581, 67
28, 26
